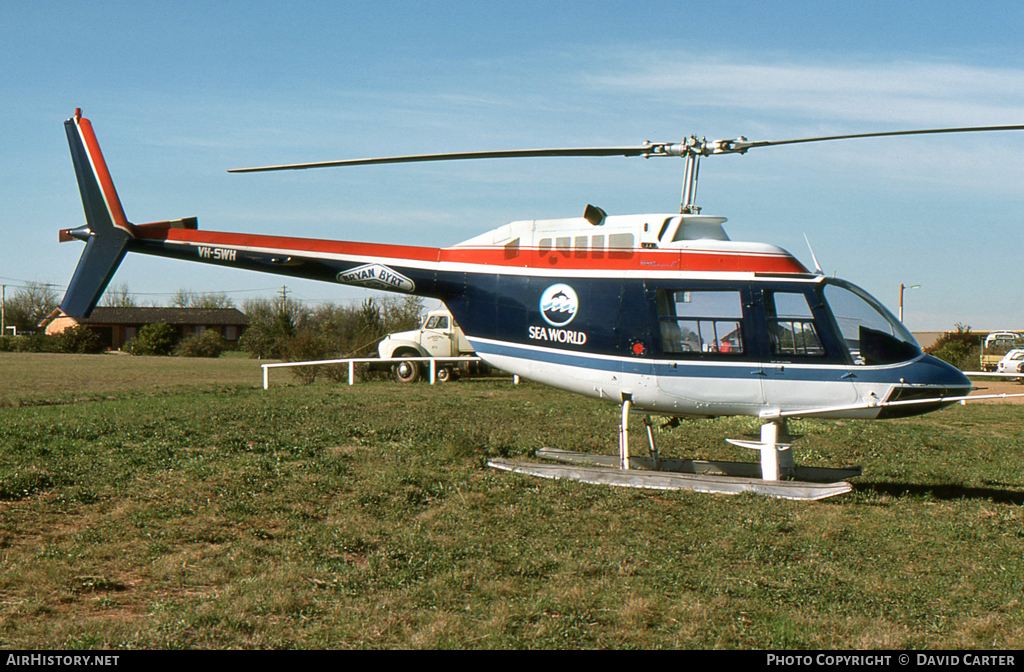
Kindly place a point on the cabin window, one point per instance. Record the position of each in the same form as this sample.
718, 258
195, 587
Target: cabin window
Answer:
791, 326
437, 322
580, 246
701, 321
871, 333
621, 240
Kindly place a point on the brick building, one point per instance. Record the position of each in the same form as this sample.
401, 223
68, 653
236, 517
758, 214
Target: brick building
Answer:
117, 326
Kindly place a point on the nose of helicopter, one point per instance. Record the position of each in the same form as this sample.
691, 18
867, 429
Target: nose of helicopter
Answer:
925, 380
933, 371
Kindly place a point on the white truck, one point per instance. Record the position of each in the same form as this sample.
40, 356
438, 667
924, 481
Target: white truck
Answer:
439, 336
996, 345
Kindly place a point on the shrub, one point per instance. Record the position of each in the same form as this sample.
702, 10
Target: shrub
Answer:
153, 339
78, 339
308, 345
30, 343
207, 344
956, 347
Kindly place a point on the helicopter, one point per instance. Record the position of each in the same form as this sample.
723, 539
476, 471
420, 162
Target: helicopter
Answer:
660, 314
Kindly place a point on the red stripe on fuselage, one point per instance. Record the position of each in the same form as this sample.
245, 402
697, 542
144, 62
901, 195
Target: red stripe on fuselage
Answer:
312, 246
625, 259
99, 165
548, 260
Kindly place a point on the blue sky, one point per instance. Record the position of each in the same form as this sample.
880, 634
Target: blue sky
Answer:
180, 91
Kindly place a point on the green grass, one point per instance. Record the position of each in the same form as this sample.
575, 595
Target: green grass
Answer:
187, 507
39, 378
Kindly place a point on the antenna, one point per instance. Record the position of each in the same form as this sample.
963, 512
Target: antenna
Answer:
817, 266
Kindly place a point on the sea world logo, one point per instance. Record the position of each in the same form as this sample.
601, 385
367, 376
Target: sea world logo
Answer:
559, 304
377, 276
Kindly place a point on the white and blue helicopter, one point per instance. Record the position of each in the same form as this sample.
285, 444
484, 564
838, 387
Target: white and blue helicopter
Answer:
660, 314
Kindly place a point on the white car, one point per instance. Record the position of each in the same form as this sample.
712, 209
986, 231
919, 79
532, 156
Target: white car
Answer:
1012, 362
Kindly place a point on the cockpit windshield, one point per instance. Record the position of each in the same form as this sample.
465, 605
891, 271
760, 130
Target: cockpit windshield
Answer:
871, 333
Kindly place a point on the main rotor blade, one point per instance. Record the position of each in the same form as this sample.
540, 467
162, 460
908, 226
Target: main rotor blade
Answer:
742, 146
692, 147
646, 149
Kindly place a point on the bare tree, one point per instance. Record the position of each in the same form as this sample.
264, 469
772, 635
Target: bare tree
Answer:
118, 296
31, 303
187, 298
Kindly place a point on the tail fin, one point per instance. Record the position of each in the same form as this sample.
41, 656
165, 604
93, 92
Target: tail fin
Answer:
107, 231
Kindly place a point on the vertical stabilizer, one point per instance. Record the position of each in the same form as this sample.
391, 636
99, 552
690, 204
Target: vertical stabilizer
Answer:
107, 231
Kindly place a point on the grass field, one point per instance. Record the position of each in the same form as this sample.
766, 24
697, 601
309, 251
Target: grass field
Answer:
168, 503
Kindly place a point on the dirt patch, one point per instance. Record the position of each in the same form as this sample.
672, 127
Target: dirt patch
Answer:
986, 387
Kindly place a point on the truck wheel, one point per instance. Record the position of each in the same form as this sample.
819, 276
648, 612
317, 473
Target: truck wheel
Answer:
446, 375
407, 372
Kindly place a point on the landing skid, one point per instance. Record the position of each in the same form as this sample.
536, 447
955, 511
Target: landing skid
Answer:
775, 476
669, 480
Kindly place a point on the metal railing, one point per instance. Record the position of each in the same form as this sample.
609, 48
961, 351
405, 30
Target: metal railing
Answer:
352, 365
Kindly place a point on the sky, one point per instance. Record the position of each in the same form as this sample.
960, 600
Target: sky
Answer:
178, 92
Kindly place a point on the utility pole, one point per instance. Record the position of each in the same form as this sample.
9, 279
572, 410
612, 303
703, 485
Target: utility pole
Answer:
3, 309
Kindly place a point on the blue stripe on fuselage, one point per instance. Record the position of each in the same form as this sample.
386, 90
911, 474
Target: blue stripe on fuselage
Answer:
924, 370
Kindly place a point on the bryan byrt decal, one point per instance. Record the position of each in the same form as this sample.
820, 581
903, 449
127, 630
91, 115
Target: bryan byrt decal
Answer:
376, 276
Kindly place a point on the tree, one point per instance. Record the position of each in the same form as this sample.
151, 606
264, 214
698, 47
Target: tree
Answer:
284, 329
118, 296
271, 325
401, 313
187, 298
30, 304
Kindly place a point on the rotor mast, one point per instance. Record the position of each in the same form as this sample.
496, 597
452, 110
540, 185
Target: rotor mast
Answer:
687, 204
692, 150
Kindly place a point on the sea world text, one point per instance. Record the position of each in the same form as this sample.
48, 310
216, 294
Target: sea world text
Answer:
558, 335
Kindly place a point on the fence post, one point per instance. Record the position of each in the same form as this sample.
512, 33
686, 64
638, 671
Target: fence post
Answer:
351, 372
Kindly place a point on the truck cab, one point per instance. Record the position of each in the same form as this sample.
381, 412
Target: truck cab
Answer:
439, 336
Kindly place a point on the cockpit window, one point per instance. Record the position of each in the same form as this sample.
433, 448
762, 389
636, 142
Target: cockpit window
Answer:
871, 333
701, 321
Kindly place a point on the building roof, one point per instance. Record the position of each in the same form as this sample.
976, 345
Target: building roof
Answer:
203, 316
